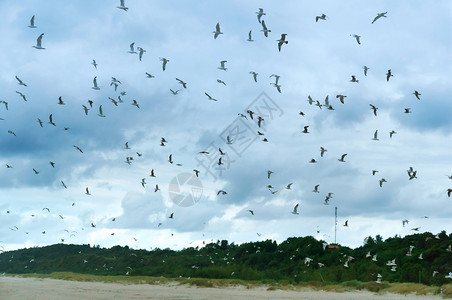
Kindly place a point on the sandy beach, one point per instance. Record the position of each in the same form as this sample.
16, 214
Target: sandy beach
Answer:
34, 288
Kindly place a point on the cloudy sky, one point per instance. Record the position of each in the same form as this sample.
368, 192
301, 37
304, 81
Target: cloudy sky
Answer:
413, 40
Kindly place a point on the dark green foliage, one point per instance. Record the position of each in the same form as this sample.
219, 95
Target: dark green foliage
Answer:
263, 261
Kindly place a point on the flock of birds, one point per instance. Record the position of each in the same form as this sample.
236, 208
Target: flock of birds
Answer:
249, 115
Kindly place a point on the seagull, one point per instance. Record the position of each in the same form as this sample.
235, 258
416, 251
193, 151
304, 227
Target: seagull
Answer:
210, 97
222, 67
381, 182
305, 130
374, 108
342, 157
251, 211
354, 79
11, 132
64, 185
78, 148
341, 98
264, 28
52, 164
449, 192
51, 120
312, 161
276, 79
416, 93
414, 229
316, 188
94, 63
152, 174
184, 84
254, 75
121, 5
322, 17
221, 192
322, 151
221, 81
392, 133
20, 82
149, 75
374, 172
95, 87
196, 172
156, 188
260, 13
357, 38
346, 225
5, 103
40, 122
407, 110
250, 39
171, 216
379, 16
217, 31
22, 95
365, 70
132, 50
140, 54
282, 41
295, 210
388, 75
288, 187
175, 92
126, 145
164, 62
228, 140
87, 191
38, 42
85, 109
375, 138
32, 22
101, 114
135, 103
36, 172
269, 173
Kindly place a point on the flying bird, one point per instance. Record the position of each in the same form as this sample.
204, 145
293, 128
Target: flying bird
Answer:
254, 75
282, 41
222, 67
269, 173
407, 110
221, 81
164, 62
416, 93
87, 191
341, 98
305, 130
449, 192
264, 29
346, 223
381, 182
36, 172
20, 82
101, 114
149, 75
85, 109
322, 151
95, 87
250, 39
140, 52
39, 42
379, 16
217, 31
316, 188
389, 75
357, 37
22, 95
132, 49
122, 6
184, 84
365, 70
342, 157
391, 133
374, 108
64, 185
210, 97
322, 17
260, 13
40, 122
375, 138
32, 22
354, 79
94, 63
78, 148
156, 188
251, 211
11, 132
295, 210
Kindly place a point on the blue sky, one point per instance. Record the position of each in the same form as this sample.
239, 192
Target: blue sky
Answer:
414, 41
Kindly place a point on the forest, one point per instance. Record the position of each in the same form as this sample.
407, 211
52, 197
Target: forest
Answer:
421, 258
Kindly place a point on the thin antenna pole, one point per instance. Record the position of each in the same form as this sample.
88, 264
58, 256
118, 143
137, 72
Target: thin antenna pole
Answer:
335, 223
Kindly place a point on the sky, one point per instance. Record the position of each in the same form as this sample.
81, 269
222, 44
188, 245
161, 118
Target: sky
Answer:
413, 40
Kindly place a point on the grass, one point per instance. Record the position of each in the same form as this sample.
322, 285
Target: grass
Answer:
347, 286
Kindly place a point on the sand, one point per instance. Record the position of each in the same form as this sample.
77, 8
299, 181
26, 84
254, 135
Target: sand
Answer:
35, 288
